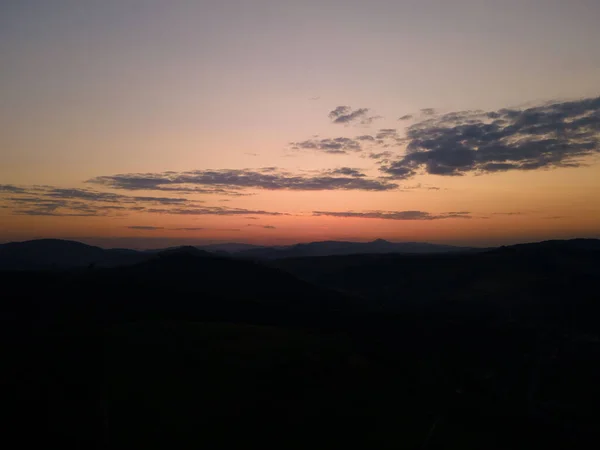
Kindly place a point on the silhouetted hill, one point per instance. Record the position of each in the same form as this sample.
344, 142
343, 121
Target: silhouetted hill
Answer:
43, 254
57, 254
47, 253
327, 248
569, 245
232, 247
531, 274
494, 349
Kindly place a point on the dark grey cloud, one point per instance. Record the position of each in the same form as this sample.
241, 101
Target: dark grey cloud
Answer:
547, 136
144, 227
270, 227
52, 201
153, 182
349, 171
385, 137
428, 111
387, 133
345, 114
406, 117
381, 155
339, 145
90, 195
395, 215
39, 205
10, 188
369, 120
268, 179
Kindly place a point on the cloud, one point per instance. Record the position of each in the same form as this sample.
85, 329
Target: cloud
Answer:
428, 111
421, 186
381, 155
74, 202
387, 133
143, 227
268, 227
86, 194
548, 136
10, 188
251, 154
406, 117
267, 179
385, 137
370, 120
339, 146
349, 171
395, 215
204, 229
157, 182
41, 206
214, 211
345, 114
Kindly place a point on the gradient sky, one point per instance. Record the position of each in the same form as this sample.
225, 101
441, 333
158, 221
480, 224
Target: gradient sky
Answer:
141, 123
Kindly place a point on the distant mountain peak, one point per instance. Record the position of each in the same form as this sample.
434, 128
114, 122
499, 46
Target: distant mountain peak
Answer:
380, 241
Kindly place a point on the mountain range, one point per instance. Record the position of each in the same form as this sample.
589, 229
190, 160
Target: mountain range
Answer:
65, 254
185, 344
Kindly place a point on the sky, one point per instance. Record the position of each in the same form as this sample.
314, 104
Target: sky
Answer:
143, 123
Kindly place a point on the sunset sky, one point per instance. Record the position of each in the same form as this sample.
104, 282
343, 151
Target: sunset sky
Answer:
144, 123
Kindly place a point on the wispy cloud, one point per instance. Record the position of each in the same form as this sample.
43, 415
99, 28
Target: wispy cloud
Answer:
339, 145
268, 227
266, 178
509, 213
11, 189
213, 211
74, 202
395, 215
346, 171
345, 114
204, 229
381, 155
145, 228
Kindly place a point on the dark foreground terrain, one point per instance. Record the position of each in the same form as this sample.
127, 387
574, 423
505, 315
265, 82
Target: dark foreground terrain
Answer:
468, 350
